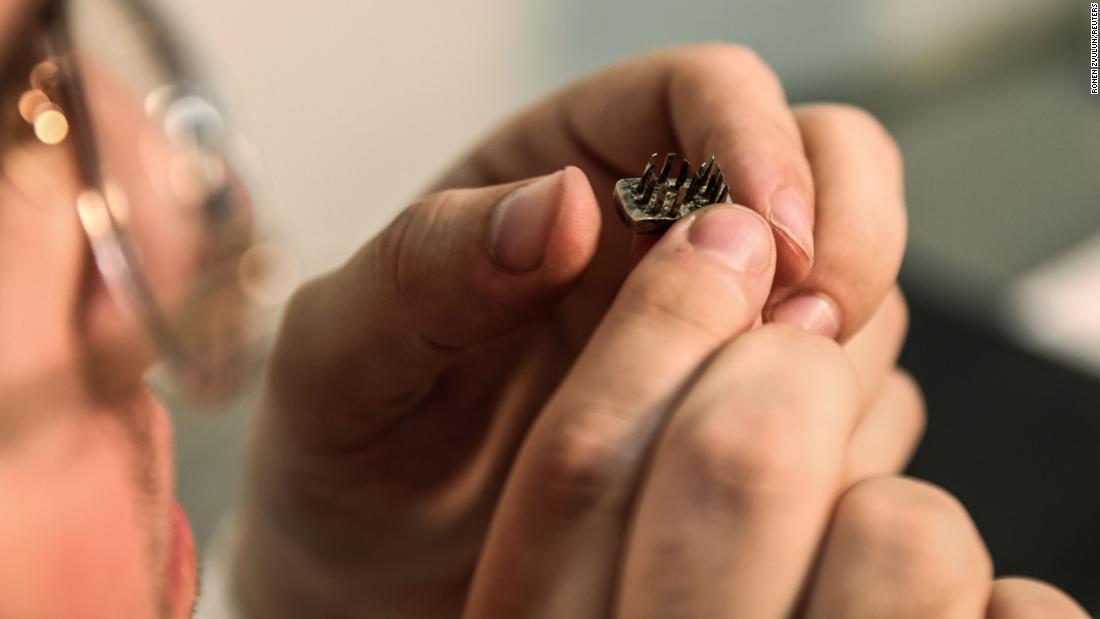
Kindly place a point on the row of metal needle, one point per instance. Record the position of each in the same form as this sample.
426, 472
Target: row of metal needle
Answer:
707, 185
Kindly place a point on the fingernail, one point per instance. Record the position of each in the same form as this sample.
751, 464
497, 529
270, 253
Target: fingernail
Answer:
736, 235
813, 312
520, 225
790, 215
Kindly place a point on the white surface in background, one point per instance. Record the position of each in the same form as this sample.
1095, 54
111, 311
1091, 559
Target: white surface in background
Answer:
1056, 307
352, 107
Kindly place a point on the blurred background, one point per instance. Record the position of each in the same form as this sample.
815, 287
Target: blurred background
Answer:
350, 108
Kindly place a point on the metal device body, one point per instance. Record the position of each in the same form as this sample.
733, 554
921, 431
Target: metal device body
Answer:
652, 202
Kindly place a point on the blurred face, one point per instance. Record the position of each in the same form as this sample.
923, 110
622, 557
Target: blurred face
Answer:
88, 523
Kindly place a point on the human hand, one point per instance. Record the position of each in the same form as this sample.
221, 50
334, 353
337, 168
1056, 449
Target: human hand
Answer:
403, 383
756, 483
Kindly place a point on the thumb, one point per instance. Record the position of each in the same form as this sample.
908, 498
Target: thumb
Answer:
456, 269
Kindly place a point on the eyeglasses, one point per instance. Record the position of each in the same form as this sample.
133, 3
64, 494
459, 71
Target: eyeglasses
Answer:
166, 215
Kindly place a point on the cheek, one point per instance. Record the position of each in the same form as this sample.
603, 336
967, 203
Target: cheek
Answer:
41, 263
70, 530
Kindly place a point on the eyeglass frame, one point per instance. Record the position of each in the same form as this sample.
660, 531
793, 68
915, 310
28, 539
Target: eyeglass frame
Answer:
112, 246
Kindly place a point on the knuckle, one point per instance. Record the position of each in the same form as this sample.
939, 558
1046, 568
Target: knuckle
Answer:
851, 120
1025, 598
697, 301
662, 309
817, 362
580, 468
897, 310
740, 59
727, 54
758, 457
867, 269
401, 250
918, 526
912, 399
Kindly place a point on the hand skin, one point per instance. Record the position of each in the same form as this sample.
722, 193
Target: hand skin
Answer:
690, 466
430, 412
